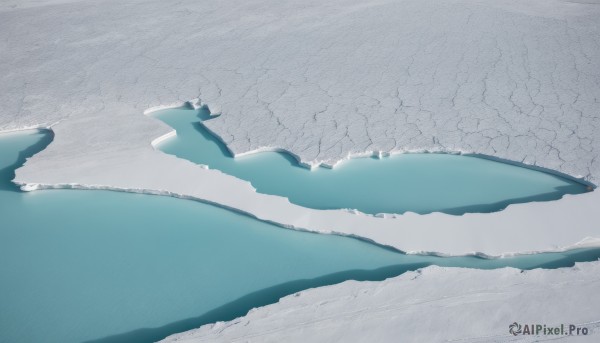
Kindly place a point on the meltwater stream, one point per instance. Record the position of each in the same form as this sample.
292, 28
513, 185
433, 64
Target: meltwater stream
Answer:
105, 266
421, 183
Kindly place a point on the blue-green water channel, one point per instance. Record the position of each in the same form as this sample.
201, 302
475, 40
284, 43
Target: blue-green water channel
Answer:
421, 183
115, 267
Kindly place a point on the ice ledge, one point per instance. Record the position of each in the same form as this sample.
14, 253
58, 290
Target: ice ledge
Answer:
494, 90
521, 228
587, 242
331, 163
413, 307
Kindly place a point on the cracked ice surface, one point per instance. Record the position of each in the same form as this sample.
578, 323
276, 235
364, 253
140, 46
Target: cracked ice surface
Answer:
513, 79
429, 75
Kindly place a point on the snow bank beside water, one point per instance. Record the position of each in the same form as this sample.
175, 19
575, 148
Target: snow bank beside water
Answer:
517, 80
433, 304
512, 80
521, 228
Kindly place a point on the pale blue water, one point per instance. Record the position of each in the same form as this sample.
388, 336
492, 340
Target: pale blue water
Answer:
421, 183
115, 267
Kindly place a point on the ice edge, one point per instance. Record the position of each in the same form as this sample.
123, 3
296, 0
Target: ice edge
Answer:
587, 242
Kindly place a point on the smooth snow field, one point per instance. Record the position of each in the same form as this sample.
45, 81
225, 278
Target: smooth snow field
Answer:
421, 183
117, 267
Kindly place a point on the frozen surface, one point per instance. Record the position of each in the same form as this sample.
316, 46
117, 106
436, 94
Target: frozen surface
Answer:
420, 183
512, 79
472, 306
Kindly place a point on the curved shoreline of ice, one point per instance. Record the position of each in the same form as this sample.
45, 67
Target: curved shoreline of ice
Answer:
408, 233
586, 241
510, 81
513, 79
436, 233
311, 165
331, 164
413, 307
387, 231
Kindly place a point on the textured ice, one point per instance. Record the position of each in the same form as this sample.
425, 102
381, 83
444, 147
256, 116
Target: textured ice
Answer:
471, 306
518, 80
323, 80
514, 79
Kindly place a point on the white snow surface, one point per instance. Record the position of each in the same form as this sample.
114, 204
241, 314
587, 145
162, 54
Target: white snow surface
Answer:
513, 79
325, 80
433, 304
